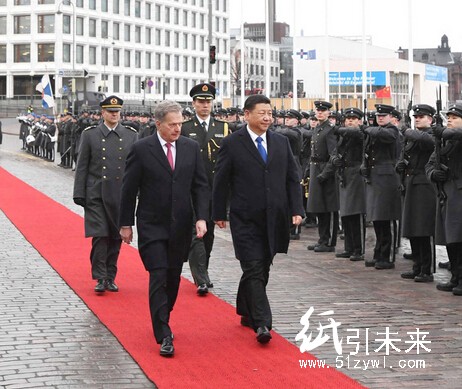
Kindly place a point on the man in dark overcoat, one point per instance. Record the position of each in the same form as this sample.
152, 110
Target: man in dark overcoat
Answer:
383, 200
98, 179
208, 133
448, 179
347, 160
166, 172
256, 172
419, 206
323, 190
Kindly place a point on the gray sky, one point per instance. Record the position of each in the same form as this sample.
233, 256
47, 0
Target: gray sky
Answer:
387, 20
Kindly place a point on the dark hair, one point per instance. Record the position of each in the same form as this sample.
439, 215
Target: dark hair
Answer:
253, 100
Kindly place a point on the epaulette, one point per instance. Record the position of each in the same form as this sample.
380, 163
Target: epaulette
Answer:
131, 128
187, 121
89, 127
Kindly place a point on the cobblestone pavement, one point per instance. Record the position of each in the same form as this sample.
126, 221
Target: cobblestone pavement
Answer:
365, 301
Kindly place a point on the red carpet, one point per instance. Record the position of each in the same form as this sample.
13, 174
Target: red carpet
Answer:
212, 349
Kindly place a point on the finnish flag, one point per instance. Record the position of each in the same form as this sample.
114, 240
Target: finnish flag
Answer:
44, 87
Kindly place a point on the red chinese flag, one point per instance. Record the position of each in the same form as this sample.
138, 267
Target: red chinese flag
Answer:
383, 93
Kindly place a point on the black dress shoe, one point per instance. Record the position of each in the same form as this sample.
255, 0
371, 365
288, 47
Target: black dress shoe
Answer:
370, 262
409, 275
245, 321
111, 286
312, 246
447, 286
457, 291
263, 335
380, 265
357, 257
344, 254
166, 348
209, 284
324, 249
100, 287
294, 236
202, 290
408, 256
424, 278
445, 265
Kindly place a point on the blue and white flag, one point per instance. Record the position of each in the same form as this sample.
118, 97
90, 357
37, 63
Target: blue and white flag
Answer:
44, 87
309, 55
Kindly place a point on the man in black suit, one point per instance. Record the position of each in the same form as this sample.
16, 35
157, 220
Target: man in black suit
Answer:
256, 171
167, 174
97, 183
209, 133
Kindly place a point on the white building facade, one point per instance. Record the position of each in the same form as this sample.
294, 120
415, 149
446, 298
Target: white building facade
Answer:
117, 44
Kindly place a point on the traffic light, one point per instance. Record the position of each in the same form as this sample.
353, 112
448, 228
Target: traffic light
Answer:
99, 88
212, 54
142, 84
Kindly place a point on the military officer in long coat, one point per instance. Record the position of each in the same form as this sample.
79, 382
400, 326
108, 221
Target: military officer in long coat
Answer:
383, 200
209, 133
347, 160
447, 176
419, 207
323, 190
97, 184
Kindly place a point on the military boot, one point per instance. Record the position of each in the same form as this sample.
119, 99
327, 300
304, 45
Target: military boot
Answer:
458, 289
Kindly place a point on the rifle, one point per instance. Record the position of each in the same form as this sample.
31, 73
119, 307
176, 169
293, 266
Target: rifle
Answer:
438, 140
408, 120
365, 121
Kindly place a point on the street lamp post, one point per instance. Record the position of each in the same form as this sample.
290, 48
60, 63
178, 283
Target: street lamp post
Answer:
282, 72
163, 86
73, 49
31, 74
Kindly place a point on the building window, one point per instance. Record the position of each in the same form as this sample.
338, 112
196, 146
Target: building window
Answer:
22, 24
167, 14
104, 29
137, 84
104, 5
158, 11
202, 21
167, 61
148, 35
148, 61
2, 25
202, 45
194, 64
127, 7
176, 39
22, 53
22, 2
127, 84
137, 9
167, 38
176, 63
127, 58
79, 54
127, 33
147, 11
185, 64
176, 16
66, 24
185, 18
116, 31
79, 25
92, 28
193, 20
46, 52
2, 53
217, 24
202, 66
79, 3
177, 86
158, 37
185, 87
185, 41
138, 59
137, 34
92, 4
66, 52
104, 56
46, 1
116, 57
116, 10
115, 84
92, 55
193, 41
158, 63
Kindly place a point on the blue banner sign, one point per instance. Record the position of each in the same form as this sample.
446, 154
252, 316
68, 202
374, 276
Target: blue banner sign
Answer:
356, 78
436, 73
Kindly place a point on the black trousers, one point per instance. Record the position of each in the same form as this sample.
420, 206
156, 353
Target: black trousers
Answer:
455, 258
327, 227
199, 254
103, 257
163, 292
385, 235
354, 229
252, 301
422, 254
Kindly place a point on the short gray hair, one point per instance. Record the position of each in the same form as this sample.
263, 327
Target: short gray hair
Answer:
165, 107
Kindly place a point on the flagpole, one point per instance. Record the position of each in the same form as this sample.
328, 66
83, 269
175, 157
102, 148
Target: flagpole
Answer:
242, 57
364, 55
326, 57
294, 75
411, 53
267, 55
